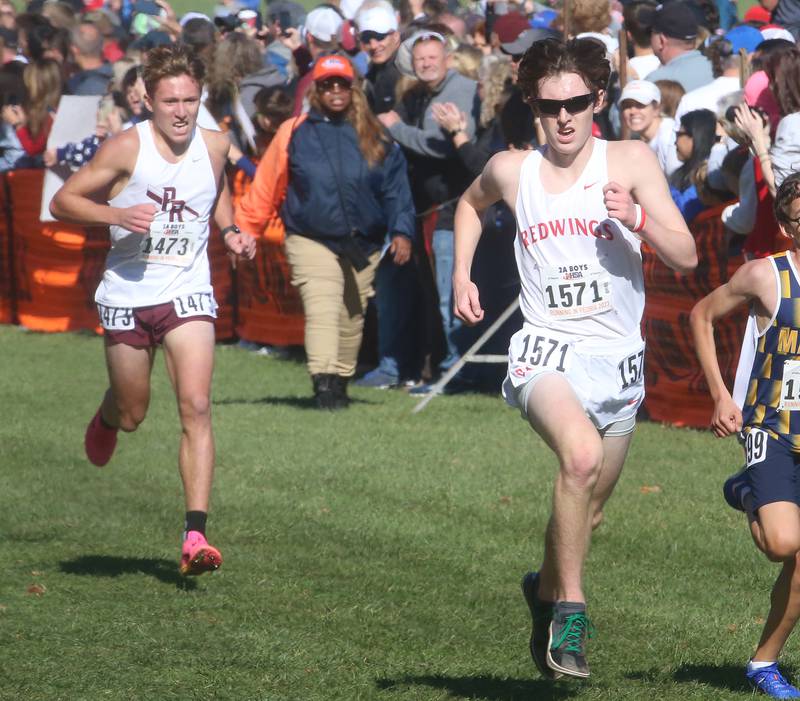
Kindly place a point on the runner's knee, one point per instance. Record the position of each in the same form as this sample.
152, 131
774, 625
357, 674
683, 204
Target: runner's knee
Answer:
780, 545
131, 417
195, 408
582, 465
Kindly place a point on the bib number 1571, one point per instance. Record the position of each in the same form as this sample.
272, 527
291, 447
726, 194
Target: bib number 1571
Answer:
544, 352
630, 370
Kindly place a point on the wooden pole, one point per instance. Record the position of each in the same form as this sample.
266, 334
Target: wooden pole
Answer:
567, 14
625, 132
744, 68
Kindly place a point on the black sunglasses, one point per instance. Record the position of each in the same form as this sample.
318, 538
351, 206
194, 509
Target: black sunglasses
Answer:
331, 84
573, 105
367, 36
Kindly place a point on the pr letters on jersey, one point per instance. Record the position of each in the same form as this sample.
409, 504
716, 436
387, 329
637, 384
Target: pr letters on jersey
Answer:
195, 304
576, 290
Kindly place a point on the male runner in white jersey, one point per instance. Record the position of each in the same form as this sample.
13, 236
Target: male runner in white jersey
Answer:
575, 368
156, 186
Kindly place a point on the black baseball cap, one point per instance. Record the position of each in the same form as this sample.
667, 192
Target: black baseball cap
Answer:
527, 39
674, 19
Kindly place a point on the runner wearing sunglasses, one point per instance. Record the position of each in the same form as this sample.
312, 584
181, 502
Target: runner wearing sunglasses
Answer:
575, 371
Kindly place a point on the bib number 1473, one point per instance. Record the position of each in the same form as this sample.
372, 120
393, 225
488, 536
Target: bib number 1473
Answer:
544, 352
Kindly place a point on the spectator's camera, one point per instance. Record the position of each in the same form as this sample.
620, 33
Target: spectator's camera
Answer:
228, 23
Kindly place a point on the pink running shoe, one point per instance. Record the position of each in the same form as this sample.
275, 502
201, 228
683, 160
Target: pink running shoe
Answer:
197, 556
99, 441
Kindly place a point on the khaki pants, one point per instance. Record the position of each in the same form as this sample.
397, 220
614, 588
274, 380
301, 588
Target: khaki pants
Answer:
334, 300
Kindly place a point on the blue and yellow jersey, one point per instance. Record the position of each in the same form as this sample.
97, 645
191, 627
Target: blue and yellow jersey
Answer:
779, 343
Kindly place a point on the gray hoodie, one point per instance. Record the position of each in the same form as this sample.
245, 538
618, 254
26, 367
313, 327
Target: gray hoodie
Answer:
428, 138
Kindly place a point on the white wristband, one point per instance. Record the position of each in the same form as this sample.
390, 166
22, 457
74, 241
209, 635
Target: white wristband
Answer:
637, 224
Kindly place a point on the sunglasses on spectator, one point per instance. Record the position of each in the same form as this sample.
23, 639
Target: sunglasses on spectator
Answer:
332, 84
682, 133
367, 36
573, 105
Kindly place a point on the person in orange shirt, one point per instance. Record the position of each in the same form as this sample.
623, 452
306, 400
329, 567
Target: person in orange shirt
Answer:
339, 186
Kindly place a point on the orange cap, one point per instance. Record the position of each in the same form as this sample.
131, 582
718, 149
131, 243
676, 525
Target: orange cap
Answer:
334, 66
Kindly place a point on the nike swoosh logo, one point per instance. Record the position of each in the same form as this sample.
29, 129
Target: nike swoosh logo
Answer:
586, 187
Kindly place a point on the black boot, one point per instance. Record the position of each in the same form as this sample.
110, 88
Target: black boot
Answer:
324, 393
339, 384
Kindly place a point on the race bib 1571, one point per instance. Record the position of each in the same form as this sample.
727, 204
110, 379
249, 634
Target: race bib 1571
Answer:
575, 290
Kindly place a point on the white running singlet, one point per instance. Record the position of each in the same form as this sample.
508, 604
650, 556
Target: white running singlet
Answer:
580, 271
148, 269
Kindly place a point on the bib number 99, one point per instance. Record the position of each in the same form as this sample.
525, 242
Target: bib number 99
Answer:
755, 446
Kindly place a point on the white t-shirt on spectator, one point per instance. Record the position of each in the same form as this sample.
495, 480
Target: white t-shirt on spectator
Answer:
740, 217
706, 97
644, 65
785, 152
663, 143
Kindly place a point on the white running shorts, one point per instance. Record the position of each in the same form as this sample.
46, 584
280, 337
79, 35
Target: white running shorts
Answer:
607, 376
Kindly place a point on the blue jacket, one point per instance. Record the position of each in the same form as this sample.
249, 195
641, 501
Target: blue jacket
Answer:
331, 190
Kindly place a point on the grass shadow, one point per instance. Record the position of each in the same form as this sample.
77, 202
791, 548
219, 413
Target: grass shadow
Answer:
110, 566
486, 687
297, 402
727, 676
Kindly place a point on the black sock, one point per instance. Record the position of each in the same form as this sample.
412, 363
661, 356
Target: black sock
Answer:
105, 423
196, 521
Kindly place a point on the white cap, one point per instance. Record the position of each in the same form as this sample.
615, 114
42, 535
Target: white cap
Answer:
642, 91
777, 33
378, 19
193, 15
350, 8
323, 23
610, 42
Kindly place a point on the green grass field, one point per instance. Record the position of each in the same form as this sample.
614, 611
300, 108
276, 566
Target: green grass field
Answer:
369, 554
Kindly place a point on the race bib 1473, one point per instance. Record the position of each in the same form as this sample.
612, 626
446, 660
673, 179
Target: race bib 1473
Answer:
115, 318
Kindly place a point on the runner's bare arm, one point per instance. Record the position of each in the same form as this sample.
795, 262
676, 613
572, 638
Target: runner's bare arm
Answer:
485, 190
754, 281
83, 199
665, 229
241, 244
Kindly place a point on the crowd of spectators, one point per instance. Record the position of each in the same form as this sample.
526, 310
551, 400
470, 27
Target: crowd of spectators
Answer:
430, 92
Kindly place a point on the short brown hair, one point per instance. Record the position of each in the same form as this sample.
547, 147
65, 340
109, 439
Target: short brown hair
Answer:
588, 16
170, 62
787, 193
783, 72
671, 93
551, 57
